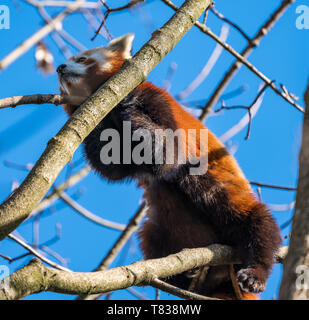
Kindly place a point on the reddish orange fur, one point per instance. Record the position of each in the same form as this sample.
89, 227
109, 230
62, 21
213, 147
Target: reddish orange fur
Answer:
179, 216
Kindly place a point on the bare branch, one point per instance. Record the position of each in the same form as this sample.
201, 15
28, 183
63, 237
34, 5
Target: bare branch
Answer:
235, 284
241, 59
119, 244
89, 215
52, 3
248, 108
36, 253
111, 10
281, 207
184, 294
168, 81
137, 274
271, 186
234, 25
243, 121
208, 66
39, 35
298, 256
53, 196
55, 99
61, 148
65, 35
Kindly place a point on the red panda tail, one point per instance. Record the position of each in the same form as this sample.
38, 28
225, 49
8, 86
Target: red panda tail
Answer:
231, 296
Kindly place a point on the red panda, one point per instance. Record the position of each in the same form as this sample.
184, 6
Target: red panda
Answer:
184, 210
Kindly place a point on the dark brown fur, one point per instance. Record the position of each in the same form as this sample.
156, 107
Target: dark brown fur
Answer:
187, 211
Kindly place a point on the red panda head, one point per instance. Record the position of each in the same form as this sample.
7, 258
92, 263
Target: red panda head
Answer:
81, 75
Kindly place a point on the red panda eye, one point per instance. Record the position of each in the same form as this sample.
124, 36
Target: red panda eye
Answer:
81, 59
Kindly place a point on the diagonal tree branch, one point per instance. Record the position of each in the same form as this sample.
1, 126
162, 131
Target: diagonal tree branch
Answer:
89, 215
242, 59
20, 284
35, 252
297, 260
207, 68
54, 195
118, 245
254, 42
61, 148
188, 295
39, 35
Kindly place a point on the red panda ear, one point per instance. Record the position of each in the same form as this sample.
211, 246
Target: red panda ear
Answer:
122, 44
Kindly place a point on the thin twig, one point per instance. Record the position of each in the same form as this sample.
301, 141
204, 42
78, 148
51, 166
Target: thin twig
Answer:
5, 257
23, 167
234, 25
241, 59
248, 108
110, 10
89, 215
40, 4
167, 84
65, 35
37, 36
181, 293
118, 245
286, 224
36, 253
93, 22
198, 279
207, 68
247, 119
137, 294
54, 254
54, 196
235, 284
271, 186
281, 207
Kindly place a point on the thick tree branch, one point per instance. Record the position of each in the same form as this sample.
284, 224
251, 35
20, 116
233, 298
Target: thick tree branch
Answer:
36, 277
298, 256
54, 195
61, 148
118, 245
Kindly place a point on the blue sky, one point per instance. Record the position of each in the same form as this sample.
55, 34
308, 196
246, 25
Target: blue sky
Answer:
270, 155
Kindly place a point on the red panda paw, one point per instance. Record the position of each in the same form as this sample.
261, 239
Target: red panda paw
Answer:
250, 280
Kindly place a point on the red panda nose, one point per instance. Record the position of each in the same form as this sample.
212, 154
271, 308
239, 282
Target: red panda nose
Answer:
61, 68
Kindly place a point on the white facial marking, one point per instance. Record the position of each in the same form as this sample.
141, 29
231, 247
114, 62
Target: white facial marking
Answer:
63, 85
101, 60
75, 68
98, 56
